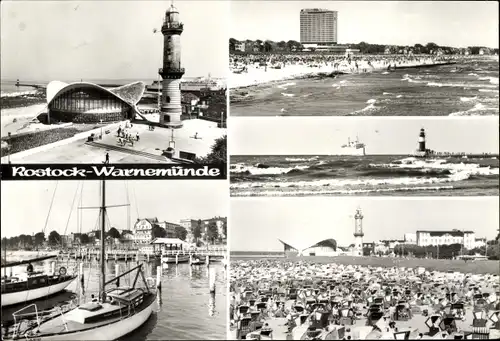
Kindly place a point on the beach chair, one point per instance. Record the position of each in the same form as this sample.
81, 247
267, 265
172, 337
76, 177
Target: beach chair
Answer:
243, 328
481, 333
494, 316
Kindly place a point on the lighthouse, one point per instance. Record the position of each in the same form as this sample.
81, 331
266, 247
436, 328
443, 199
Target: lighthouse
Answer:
358, 233
172, 72
421, 141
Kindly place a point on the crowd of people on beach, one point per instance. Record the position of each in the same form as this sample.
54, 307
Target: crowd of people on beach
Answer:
125, 136
328, 301
347, 63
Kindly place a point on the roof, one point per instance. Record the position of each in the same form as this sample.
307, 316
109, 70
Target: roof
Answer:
454, 233
129, 93
301, 245
168, 241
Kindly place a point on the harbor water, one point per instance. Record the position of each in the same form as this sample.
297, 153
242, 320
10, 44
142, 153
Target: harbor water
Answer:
187, 310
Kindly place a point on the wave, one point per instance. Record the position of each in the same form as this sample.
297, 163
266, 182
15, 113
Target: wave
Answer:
460, 171
291, 159
478, 109
285, 86
468, 99
493, 80
287, 95
18, 93
488, 90
385, 73
458, 85
261, 169
344, 191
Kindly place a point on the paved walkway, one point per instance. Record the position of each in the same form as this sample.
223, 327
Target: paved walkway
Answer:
149, 149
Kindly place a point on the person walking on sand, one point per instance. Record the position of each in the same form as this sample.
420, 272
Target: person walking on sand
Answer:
137, 136
107, 159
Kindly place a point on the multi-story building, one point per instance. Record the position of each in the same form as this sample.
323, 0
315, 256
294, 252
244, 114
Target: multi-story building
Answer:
318, 26
170, 228
429, 238
143, 230
191, 224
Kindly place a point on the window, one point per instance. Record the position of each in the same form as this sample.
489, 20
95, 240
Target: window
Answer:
167, 99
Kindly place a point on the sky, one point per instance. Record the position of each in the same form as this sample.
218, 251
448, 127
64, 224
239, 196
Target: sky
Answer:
446, 23
257, 223
68, 40
26, 204
384, 135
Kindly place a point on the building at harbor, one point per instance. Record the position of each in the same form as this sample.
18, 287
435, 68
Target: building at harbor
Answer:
143, 229
318, 26
85, 102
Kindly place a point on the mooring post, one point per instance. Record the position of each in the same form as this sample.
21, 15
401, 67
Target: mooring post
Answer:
158, 277
207, 260
176, 259
211, 280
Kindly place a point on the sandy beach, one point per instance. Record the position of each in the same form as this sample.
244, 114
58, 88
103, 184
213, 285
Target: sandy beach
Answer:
298, 298
257, 75
22, 116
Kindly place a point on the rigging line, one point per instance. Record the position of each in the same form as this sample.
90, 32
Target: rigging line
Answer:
135, 200
50, 207
128, 203
72, 207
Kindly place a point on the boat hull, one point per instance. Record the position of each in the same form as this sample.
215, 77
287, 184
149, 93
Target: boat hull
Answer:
13, 298
110, 331
171, 259
354, 151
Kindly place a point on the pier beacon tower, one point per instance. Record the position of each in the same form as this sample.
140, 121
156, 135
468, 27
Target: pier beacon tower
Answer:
172, 72
421, 150
358, 233
421, 140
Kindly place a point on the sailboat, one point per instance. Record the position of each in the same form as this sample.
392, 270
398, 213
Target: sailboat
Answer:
32, 285
117, 312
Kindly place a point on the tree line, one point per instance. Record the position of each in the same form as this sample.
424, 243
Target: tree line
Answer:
491, 250
269, 46
210, 235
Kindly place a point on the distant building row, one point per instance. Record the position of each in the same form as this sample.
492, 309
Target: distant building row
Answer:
142, 232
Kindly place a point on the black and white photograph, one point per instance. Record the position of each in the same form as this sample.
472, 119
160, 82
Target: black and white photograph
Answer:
337, 156
144, 81
364, 268
364, 58
114, 260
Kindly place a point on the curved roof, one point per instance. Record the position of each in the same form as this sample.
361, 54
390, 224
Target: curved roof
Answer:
130, 93
301, 246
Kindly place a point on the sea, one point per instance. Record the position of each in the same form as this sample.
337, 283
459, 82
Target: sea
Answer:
464, 89
187, 310
370, 175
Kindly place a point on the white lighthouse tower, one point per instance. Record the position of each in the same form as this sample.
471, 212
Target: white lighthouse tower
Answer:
172, 72
358, 233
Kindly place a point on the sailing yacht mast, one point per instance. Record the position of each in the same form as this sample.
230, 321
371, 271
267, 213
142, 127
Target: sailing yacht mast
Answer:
103, 220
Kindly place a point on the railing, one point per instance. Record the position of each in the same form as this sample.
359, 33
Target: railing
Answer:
17, 314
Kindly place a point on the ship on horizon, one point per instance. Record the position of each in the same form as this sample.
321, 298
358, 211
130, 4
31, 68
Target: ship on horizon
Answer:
354, 147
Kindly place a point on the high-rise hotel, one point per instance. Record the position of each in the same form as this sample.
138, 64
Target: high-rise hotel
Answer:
318, 26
